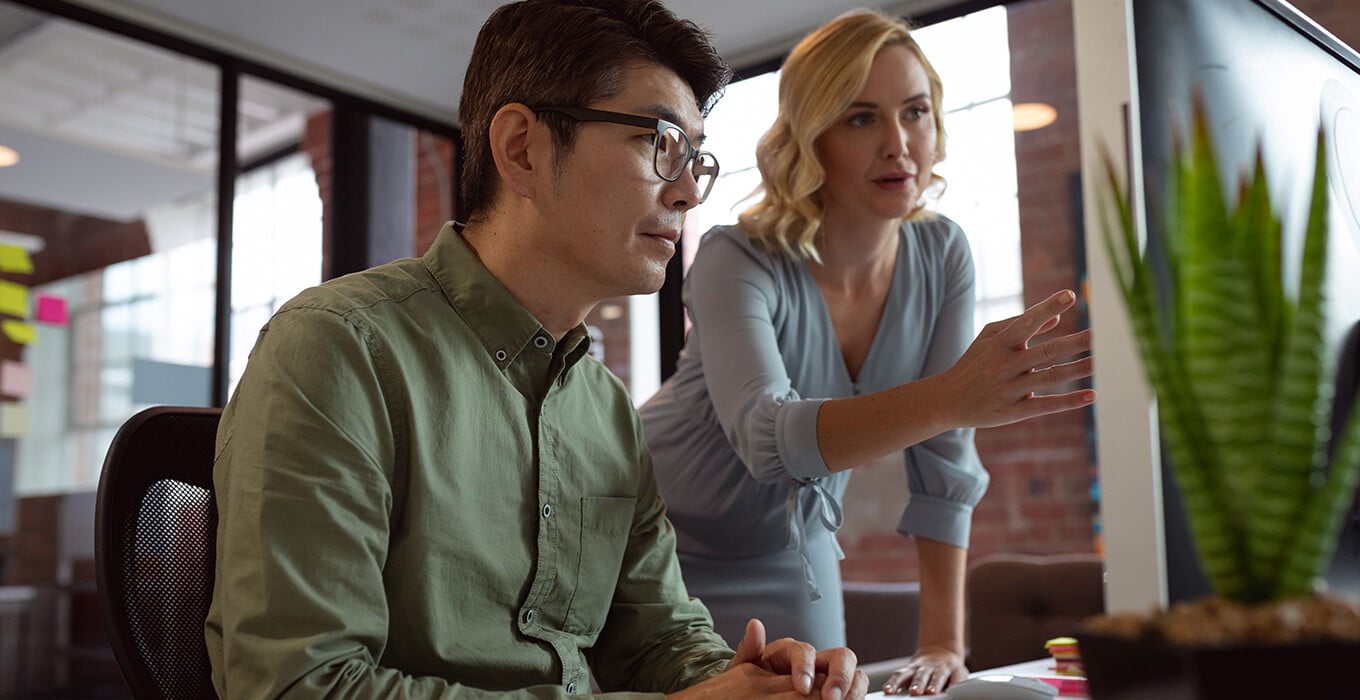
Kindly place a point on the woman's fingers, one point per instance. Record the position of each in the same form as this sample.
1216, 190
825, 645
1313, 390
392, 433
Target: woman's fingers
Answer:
1002, 376
1040, 380
1052, 354
1034, 406
1039, 318
897, 682
921, 683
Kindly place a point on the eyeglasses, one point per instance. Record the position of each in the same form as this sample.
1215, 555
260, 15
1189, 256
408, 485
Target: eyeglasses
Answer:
672, 148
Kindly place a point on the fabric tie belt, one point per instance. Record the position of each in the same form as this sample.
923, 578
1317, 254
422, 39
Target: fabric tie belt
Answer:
828, 510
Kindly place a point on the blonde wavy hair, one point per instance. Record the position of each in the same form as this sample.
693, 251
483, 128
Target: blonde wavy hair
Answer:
823, 75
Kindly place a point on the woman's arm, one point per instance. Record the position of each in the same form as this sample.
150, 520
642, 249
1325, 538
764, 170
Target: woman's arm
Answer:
938, 662
735, 298
997, 381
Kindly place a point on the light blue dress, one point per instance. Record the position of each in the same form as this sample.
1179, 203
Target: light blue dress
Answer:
733, 433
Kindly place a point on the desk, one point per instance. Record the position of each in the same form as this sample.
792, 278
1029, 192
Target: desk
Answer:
1038, 667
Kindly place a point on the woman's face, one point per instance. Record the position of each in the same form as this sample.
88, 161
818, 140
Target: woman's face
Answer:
878, 153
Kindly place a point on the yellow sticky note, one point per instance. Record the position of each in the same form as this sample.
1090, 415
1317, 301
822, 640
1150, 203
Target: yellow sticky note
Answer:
18, 331
13, 299
14, 419
15, 259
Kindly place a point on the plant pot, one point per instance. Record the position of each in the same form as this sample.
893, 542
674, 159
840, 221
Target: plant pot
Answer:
1123, 668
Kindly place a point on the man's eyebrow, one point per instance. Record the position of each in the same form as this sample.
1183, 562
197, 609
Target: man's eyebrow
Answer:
661, 111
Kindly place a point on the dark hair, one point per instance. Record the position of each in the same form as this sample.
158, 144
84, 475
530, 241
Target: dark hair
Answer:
570, 53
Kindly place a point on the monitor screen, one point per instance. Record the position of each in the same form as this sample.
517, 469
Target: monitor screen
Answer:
1267, 74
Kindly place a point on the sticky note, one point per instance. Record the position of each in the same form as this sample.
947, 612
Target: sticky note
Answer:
13, 299
15, 259
14, 419
16, 379
51, 310
18, 331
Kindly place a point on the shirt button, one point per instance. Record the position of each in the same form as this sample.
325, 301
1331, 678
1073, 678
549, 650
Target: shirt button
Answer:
529, 616
500, 356
547, 510
571, 688
540, 342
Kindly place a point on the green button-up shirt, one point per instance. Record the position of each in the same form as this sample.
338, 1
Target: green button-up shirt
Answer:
423, 495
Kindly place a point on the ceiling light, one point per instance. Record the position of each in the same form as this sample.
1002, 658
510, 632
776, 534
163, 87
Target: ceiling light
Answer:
8, 156
1028, 116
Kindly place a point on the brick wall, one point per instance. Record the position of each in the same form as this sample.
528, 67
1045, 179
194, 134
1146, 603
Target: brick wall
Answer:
435, 177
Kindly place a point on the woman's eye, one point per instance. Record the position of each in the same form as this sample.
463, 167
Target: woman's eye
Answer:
862, 119
916, 113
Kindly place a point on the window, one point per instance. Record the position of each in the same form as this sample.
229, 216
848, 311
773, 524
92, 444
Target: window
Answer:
276, 248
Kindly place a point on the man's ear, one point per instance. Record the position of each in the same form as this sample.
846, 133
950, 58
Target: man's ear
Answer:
517, 147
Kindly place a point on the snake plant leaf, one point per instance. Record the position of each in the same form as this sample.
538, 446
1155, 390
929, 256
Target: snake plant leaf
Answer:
1221, 546
1298, 444
1317, 534
1238, 367
1218, 336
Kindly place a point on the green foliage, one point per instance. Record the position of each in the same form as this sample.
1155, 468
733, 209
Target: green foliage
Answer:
1240, 371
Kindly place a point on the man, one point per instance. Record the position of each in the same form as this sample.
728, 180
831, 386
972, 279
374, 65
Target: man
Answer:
424, 489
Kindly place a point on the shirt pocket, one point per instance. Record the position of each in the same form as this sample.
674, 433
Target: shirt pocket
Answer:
606, 524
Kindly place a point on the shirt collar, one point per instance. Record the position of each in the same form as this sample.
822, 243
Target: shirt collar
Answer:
506, 329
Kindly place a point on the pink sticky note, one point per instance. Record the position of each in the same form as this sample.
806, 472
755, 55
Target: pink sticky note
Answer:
51, 310
16, 379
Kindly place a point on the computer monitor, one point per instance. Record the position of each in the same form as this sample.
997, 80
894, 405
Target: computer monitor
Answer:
1269, 75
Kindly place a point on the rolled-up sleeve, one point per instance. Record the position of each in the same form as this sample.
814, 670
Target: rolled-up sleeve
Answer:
772, 429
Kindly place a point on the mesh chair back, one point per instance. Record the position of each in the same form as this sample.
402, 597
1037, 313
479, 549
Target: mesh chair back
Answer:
155, 544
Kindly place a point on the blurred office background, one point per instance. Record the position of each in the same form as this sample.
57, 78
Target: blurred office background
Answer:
176, 177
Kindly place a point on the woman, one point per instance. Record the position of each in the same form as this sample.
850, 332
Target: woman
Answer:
831, 328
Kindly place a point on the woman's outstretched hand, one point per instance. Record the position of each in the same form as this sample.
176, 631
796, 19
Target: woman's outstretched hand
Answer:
1003, 376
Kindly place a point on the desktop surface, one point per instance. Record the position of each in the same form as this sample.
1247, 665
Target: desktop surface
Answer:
1032, 669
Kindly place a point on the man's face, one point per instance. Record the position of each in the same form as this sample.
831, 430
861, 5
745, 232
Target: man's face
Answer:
617, 220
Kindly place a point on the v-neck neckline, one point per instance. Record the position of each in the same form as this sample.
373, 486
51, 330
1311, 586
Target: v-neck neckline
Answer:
853, 382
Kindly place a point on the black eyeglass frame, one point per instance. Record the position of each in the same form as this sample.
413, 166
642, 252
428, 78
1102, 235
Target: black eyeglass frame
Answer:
692, 159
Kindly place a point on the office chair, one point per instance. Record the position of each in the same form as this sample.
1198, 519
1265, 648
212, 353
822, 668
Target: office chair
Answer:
1016, 602
155, 544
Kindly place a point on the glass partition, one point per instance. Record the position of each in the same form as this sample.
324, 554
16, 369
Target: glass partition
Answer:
115, 191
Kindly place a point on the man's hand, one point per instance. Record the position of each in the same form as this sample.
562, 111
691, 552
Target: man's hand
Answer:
785, 668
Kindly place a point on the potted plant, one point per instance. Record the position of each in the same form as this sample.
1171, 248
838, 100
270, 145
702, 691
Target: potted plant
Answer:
1239, 366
